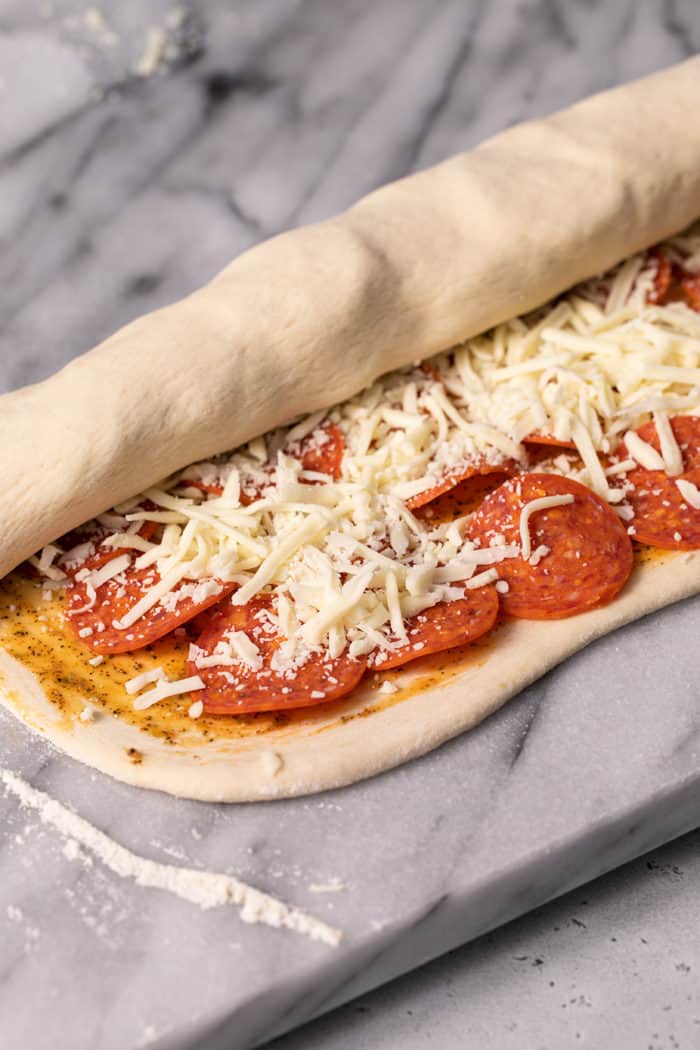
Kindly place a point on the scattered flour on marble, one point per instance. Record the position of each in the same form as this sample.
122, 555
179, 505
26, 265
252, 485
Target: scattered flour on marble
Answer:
31, 933
149, 1035
94, 19
169, 851
378, 924
207, 889
153, 57
332, 885
72, 851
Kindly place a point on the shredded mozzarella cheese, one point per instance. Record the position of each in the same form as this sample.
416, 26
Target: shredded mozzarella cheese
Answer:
164, 689
689, 492
535, 505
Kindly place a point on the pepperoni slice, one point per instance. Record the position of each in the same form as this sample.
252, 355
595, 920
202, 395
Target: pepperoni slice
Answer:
662, 517
211, 488
590, 554
237, 688
431, 371
549, 440
321, 450
90, 532
662, 277
455, 477
673, 283
93, 623
444, 626
463, 499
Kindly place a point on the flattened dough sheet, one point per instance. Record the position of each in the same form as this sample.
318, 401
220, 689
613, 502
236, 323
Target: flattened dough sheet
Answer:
340, 747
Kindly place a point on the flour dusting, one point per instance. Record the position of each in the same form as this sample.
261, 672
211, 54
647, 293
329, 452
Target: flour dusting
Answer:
332, 885
208, 889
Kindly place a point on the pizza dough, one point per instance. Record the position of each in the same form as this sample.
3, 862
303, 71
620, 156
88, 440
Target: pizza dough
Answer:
310, 317
340, 746
306, 320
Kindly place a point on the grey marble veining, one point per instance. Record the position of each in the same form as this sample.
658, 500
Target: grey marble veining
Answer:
121, 190
613, 964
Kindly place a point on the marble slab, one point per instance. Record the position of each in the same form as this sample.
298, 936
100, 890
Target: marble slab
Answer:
592, 765
141, 147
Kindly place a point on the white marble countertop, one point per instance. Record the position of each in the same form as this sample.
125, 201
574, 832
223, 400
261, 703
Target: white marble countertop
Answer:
614, 964
141, 147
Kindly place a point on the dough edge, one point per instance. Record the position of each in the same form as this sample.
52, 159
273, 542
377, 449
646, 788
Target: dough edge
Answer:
292, 763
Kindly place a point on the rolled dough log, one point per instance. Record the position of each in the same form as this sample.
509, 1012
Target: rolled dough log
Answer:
312, 316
